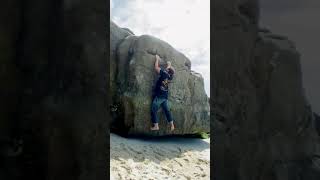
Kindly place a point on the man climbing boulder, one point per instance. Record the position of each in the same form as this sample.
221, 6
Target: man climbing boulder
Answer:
134, 81
160, 97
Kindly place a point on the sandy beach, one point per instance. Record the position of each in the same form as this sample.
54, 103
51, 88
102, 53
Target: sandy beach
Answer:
159, 158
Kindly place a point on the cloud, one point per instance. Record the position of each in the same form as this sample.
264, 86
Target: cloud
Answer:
111, 6
184, 24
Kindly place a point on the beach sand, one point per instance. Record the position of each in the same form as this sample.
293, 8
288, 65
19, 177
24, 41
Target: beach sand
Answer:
159, 158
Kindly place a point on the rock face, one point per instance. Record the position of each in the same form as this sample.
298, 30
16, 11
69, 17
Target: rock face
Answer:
53, 89
263, 127
317, 122
134, 76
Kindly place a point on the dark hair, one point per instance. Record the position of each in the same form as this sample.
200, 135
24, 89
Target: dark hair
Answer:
171, 73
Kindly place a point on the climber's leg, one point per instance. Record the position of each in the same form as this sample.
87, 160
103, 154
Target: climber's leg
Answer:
167, 112
154, 109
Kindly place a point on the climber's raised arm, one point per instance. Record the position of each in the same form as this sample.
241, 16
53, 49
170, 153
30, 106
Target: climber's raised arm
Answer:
156, 64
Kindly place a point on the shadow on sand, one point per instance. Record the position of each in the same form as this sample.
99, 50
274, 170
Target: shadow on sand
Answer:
155, 149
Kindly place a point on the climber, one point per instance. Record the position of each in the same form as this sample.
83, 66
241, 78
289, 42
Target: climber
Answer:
160, 97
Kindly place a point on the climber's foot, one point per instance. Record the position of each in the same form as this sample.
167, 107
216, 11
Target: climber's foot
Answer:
171, 126
155, 127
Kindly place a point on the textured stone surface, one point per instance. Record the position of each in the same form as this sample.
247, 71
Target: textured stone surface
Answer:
117, 35
317, 122
263, 125
9, 88
9, 75
53, 65
135, 77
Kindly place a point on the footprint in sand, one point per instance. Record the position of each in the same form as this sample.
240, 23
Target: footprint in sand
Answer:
170, 166
127, 168
139, 167
157, 157
122, 161
187, 160
187, 177
144, 150
160, 153
201, 169
178, 163
203, 161
133, 150
114, 169
168, 171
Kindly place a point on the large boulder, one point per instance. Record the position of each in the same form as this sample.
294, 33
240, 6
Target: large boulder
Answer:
117, 35
53, 89
135, 77
264, 126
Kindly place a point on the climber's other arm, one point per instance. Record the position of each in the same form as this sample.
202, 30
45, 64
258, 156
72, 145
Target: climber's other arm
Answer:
168, 64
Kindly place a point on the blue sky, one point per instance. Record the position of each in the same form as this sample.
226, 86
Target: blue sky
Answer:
184, 24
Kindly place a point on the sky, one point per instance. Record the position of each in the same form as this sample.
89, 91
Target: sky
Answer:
298, 20
184, 24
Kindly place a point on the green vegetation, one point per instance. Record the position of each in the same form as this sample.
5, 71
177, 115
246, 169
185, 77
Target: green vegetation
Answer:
203, 135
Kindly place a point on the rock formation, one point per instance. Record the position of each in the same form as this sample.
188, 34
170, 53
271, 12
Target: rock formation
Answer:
53, 89
263, 126
317, 122
132, 80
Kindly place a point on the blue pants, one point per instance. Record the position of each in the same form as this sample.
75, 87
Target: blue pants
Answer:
156, 103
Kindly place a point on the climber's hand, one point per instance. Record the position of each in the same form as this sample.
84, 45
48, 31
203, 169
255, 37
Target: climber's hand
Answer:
156, 64
168, 63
